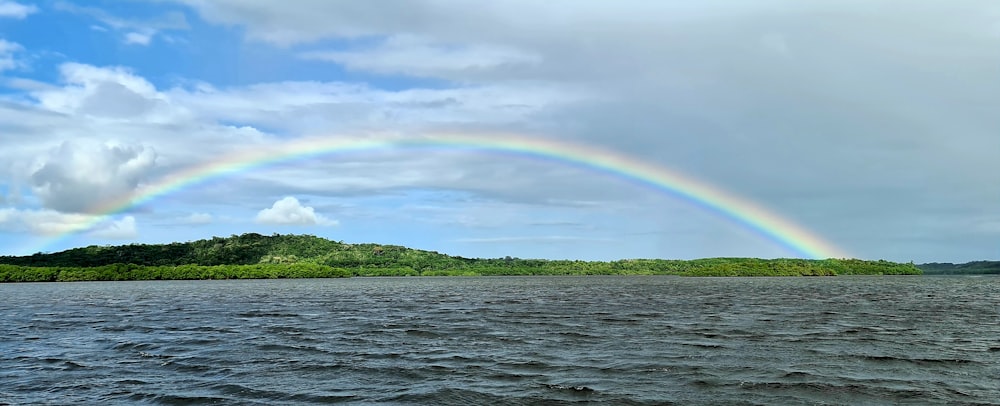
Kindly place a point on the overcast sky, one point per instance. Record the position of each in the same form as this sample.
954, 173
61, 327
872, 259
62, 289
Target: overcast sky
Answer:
872, 123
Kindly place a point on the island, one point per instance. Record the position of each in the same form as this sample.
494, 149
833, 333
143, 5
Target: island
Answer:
968, 268
256, 256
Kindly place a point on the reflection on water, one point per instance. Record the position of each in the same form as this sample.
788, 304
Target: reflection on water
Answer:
621, 340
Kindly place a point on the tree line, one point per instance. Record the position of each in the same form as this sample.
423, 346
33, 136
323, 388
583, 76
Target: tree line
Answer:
133, 272
302, 256
968, 268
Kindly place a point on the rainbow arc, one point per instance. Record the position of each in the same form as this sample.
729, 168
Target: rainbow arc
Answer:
746, 213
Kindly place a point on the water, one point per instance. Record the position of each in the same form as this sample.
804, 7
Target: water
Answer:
511, 340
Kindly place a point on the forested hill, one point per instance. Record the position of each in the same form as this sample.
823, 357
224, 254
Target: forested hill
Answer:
243, 249
281, 256
968, 268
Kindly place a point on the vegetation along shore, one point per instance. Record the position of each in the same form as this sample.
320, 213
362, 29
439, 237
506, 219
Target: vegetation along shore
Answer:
255, 256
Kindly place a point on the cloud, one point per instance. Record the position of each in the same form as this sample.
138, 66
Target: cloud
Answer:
197, 218
11, 9
29, 85
875, 113
78, 176
41, 225
113, 106
138, 38
114, 93
410, 55
42, 222
314, 20
134, 31
288, 211
7, 52
121, 229
337, 107
569, 239
848, 116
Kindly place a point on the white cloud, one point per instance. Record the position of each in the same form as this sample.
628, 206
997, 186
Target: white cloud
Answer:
42, 222
288, 211
78, 176
313, 20
121, 229
117, 93
417, 56
197, 218
105, 107
335, 107
29, 85
137, 32
533, 239
7, 51
138, 38
11, 9
111, 93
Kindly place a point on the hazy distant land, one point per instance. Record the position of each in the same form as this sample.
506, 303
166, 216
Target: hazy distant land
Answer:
255, 256
968, 268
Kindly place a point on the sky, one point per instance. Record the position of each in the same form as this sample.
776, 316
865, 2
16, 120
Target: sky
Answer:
871, 125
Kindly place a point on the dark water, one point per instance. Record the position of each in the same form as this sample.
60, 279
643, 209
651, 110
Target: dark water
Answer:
512, 340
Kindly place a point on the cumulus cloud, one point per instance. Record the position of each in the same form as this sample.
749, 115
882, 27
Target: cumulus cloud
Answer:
11, 9
100, 107
77, 176
113, 92
114, 106
288, 211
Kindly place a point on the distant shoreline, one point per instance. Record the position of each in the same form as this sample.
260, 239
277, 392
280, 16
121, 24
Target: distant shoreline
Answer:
717, 267
255, 256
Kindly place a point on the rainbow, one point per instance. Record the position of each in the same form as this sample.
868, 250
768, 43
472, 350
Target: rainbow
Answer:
741, 211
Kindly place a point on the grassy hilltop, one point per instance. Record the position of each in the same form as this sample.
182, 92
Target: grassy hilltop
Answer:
252, 256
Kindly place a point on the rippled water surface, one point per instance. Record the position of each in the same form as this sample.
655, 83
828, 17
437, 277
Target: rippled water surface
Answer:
510, 340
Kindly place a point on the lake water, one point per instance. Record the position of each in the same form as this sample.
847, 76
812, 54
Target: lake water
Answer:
510, 340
